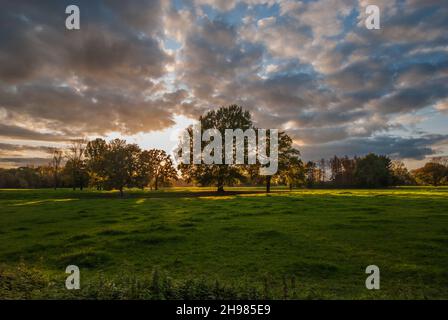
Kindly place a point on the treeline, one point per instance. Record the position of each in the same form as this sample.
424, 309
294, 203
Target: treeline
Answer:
118, 165
97, 164
370, 171
373, 171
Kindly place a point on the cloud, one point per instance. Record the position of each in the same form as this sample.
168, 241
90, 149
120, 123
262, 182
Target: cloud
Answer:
15, 132
309, 67
92, 81
395, 147
18, 147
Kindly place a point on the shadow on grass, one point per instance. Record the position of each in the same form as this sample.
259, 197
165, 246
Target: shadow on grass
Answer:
46, 194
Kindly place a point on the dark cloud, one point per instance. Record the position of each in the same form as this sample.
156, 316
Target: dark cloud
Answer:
214, 61
395, 147
95, 80
19, 147
15, 132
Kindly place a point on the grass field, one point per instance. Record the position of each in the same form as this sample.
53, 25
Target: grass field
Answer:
305, 244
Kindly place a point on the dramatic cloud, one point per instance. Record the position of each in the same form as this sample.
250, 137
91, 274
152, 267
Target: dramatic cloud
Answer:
95, 80
396, 147
308, 67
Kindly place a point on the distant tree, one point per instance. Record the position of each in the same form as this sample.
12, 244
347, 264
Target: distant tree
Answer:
373, 171
76, 164
310, 173
55, 165
28, 177
336, 169
348, 171
156, 168
145, 169
323, 170
164, 170
440, 160
121, 164
288, 161
432, 173
294, 173
95, 153
400, 174
232, 117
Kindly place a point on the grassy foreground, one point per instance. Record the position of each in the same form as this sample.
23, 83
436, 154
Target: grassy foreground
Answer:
191, 243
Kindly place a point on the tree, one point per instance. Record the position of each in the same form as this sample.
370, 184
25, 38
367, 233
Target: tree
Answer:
323, 170
373, 171
294, 173
76, 164
55, 165
145, 169
232, 117
163, 169
440, 160
310, 173
155, 168
400, 174
288, 157
95, 153
336, 169
432, 173
121, 164
349, 166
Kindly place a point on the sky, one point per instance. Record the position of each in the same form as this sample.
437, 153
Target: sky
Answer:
144, 70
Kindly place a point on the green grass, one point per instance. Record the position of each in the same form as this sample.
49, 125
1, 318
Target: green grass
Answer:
305, 244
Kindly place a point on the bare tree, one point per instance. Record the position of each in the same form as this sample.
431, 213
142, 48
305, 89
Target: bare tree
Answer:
323, 169
440, 160
75, 162
55, 165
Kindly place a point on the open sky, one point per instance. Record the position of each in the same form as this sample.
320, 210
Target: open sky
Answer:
143, 70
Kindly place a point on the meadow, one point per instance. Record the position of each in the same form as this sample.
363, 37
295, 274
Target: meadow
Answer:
192, 243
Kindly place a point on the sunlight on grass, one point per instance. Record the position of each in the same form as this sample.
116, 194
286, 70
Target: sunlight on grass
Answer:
324, 238
29, 203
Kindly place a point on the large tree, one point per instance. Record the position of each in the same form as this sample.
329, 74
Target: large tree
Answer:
232, 117
432, 173
289, 164
121, 164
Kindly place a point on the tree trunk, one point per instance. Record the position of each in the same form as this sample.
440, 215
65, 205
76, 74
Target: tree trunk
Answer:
121, 192
268, 184
156, 183
74, 181
290, 187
